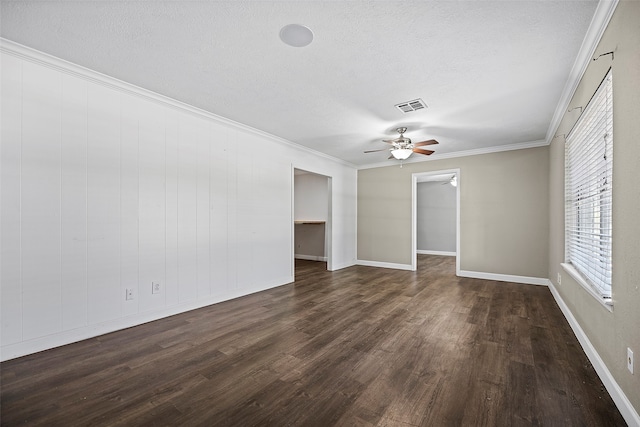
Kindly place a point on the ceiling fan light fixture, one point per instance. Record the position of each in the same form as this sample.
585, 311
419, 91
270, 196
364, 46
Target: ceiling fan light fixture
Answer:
296, 35
401, 153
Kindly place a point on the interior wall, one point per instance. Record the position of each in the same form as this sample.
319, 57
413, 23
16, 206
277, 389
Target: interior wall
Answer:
504, 204
311, 203
310, 242
107, 187
311, 195
436, 217
609, 332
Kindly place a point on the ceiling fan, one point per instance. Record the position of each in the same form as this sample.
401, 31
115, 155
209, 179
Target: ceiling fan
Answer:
453, 181
402, 147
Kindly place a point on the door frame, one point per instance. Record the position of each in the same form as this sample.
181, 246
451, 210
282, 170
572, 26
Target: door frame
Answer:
415, 178
328, 239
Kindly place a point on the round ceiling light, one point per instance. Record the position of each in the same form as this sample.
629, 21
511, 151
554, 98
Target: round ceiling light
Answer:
401, 153
296, 35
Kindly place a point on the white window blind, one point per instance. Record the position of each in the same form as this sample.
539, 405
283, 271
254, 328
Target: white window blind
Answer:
588, 179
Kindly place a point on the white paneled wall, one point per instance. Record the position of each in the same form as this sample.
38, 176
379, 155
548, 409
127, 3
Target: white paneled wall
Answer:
73, 202
10, 274
106, 187
40, 201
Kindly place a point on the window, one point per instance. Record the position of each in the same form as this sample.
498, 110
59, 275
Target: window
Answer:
588, 173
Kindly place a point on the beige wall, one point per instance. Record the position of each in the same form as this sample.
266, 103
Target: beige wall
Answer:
610, 333
504, 204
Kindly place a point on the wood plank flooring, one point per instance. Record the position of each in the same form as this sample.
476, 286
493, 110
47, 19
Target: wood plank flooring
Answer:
357, 347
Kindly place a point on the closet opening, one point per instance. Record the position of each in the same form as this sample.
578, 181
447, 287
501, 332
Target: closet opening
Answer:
311, 217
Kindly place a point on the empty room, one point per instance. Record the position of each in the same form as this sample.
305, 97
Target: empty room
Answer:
319, 213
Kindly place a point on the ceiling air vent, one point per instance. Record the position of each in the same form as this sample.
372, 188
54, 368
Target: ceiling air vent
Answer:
409, 106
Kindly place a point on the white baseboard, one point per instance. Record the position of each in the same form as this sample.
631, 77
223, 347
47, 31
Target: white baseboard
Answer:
385, 265
340, 266
427, 252
24, 348
463, 273
311, 257
504, 277
625, 407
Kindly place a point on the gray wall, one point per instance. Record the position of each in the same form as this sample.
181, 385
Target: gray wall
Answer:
504, 211
310, 242
436, 217
609, 332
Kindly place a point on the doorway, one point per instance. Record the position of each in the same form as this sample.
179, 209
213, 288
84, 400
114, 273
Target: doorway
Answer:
435, 225
311, 216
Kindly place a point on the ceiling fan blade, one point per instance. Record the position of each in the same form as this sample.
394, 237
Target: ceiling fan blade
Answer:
390, 157
421, 151
423, 143
389, 141
375, 151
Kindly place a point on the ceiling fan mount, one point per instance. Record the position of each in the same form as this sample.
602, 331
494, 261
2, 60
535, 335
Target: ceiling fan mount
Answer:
401, 141
401, 131
402, 147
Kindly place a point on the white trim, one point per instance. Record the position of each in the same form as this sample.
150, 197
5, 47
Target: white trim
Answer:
414, 221
474, 152
606, 302
328, 225
458, 208
382, 264
311, 257
292, 265
442, 253
620, 399
336, 267
527, 280
23, 348
52, 62
598, 25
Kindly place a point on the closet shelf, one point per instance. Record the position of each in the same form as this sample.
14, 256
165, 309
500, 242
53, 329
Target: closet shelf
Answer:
309, 222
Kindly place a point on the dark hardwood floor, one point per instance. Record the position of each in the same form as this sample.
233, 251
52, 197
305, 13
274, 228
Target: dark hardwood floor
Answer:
358, 347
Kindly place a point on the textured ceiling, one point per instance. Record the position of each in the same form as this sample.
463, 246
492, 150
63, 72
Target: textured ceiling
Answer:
491, 72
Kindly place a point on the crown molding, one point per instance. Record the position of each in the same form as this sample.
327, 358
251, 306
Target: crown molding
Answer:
474, 152
598, 25
599, 22
35, 56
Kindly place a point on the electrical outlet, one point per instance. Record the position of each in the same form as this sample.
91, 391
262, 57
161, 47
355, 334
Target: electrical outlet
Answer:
630, 360
559, 279
128, 294
155, 287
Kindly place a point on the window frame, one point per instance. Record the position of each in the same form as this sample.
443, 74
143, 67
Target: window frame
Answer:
588, 195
